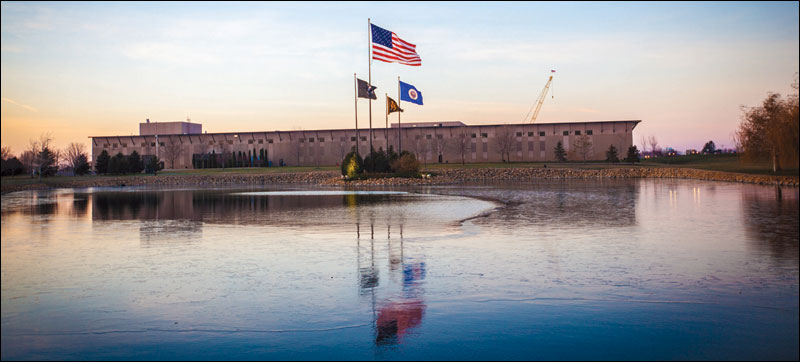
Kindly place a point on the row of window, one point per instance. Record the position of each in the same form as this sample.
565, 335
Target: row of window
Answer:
322, 139
143, 144
565, 133
578, 133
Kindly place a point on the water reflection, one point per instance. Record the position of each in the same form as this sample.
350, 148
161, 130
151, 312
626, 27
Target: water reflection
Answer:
639, 269
770, 219
47, 203
138, 205
403, 309
560, 204
225, 207
396, 317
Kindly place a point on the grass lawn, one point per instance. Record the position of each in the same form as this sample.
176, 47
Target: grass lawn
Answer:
26, 179
55, 180
248, 170
727, 163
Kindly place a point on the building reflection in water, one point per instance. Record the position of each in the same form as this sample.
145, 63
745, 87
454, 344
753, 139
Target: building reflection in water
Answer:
402, 310
176, 214
227, 207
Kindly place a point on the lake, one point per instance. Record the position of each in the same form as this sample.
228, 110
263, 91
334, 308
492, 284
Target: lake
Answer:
568, 269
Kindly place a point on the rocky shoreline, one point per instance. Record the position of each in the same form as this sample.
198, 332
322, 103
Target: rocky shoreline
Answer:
440, 177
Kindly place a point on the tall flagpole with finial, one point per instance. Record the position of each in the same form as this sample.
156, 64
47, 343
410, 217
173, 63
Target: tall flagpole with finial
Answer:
369, 62
355, 81
386, 127
399, 125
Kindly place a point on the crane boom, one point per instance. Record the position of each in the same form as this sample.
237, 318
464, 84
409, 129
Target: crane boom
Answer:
541, 98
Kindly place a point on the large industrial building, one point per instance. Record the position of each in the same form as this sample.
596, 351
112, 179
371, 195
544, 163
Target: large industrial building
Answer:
184, 145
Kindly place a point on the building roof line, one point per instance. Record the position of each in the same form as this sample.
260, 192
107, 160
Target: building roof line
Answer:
635, 122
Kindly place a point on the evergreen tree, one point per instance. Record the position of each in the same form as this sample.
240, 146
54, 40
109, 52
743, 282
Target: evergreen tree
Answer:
12, 166
709, 148
633, 155
611, 154
392, 156
118, 164
101, 164
380, 161
47, 162
151, 165
135, 163
560, 153
81, 165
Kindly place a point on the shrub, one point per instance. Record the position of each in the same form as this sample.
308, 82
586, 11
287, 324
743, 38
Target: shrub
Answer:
352, 165
406, 164
391, 156
377, 161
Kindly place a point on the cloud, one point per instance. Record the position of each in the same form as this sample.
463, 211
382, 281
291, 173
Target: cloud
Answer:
169, 52
9, 100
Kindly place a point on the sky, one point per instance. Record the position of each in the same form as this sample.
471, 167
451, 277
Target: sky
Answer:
75, 70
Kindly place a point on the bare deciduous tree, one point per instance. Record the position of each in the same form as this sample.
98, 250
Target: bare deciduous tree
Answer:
43, 158
653, 145
5, 152
504, 142
341, 147
461, 143
440, 145
643, 143
583, 146
203, 148
422, 147
225, 152
73, 152
172, 151
27, 158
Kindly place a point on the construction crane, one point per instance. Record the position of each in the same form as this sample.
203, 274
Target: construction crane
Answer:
540, 100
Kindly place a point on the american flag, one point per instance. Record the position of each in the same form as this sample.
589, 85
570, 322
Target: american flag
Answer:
388, 47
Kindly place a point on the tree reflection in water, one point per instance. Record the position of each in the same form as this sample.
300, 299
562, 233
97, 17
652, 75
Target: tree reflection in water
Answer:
770, 220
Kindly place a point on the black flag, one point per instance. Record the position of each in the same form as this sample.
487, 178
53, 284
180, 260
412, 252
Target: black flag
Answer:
365, 90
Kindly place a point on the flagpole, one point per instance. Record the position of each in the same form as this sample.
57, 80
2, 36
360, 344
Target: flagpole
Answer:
355, 81
369, 62
399, 125
386, 127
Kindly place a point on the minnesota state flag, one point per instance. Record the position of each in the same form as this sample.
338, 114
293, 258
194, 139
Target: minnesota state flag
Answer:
409, 93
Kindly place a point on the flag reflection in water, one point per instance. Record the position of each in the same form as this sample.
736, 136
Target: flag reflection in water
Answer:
396, 318
402, 306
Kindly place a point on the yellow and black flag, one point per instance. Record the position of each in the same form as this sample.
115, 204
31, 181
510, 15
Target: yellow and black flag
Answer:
391, 106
